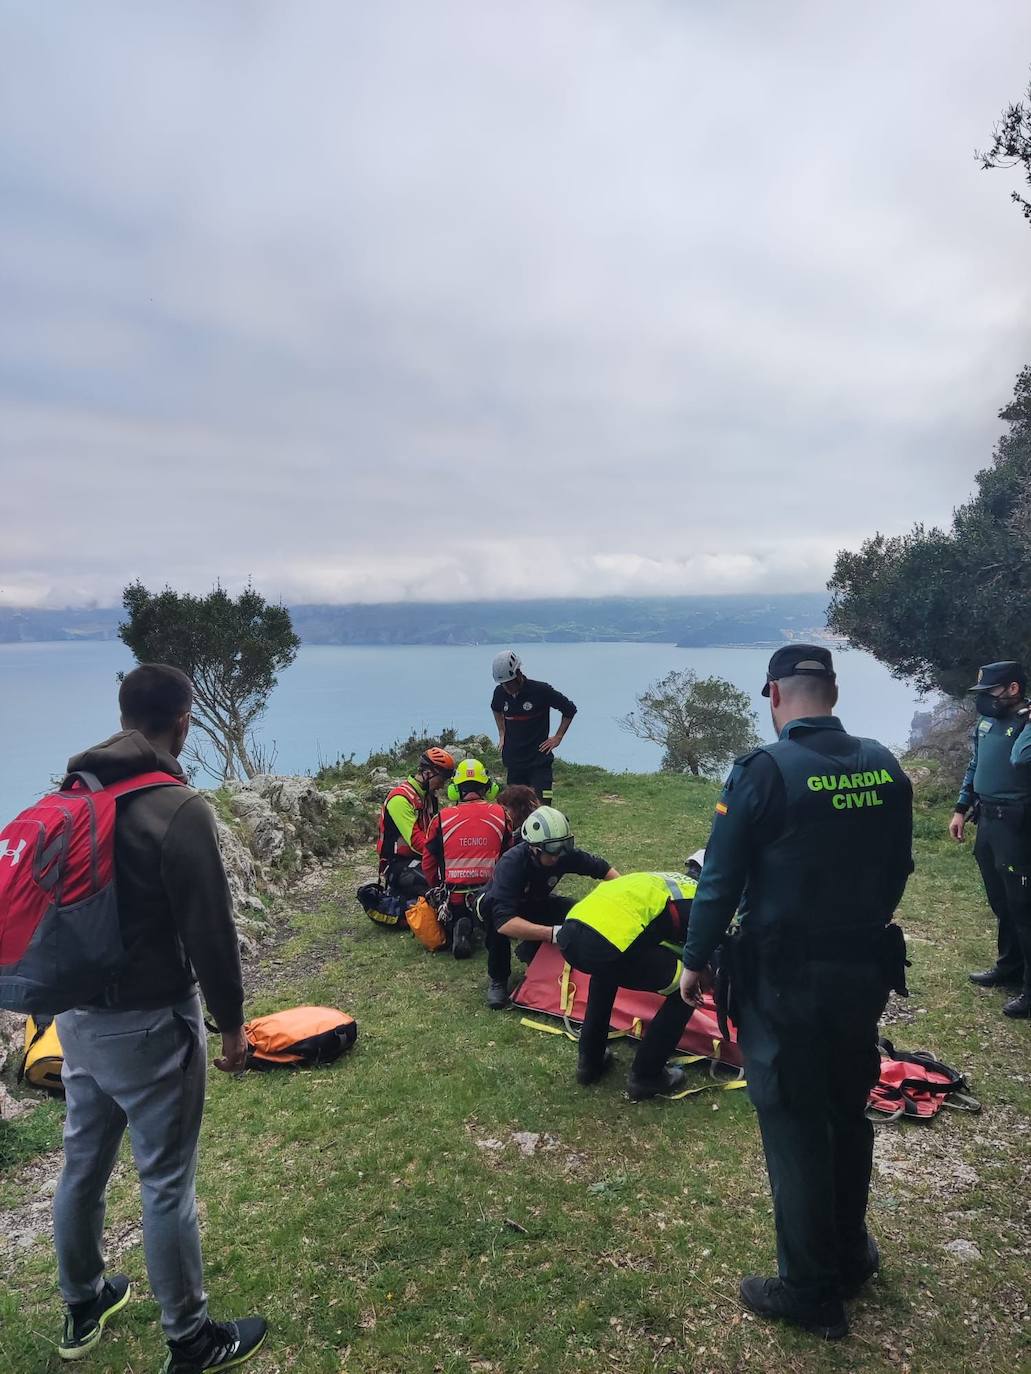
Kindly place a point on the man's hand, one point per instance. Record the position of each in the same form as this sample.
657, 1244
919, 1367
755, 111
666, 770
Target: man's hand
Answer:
956, 825
550, 744
691, 987
234, 1051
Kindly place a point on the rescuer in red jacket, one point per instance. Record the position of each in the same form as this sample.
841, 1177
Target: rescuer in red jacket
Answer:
463, 843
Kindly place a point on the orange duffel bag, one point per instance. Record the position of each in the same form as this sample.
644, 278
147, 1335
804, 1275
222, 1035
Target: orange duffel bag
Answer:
424, 923
299, 1038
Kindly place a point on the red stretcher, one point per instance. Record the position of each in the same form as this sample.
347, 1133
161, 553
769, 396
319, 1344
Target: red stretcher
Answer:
552, 988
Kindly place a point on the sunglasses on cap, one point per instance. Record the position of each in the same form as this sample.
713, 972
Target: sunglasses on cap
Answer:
562, 846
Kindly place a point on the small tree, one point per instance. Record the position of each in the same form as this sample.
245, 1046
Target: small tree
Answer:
1011, 147
702, 723
231, 651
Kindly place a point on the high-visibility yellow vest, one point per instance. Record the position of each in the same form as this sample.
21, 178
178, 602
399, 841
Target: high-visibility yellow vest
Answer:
621, 910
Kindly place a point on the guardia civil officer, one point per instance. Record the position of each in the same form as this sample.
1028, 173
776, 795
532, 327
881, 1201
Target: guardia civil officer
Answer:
812, 843
998, 783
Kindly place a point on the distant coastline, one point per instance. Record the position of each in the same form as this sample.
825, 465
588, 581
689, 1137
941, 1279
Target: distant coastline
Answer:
738, 621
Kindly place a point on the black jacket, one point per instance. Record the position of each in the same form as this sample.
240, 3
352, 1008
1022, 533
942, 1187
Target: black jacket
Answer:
520, 883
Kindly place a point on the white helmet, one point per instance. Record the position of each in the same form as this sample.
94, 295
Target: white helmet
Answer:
506, 665
548, 829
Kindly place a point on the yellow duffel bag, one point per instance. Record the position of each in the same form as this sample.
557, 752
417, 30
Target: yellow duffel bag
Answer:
41, 1067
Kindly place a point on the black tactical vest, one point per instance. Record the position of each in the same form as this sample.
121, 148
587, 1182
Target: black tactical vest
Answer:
826, 869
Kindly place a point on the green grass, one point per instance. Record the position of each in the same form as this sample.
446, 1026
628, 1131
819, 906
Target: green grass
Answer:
358, 1209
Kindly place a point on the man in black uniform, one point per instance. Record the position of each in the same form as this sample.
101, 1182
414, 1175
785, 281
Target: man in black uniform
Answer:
522, 709
520, 902
998, 781
813, 838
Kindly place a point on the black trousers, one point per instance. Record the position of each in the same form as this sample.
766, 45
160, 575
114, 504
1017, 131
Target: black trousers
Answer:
649, 967
404, 878
1004, 857
551, 912
809, 1042
539, 776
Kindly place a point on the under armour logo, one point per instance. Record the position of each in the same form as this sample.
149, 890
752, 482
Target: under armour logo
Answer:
6, 852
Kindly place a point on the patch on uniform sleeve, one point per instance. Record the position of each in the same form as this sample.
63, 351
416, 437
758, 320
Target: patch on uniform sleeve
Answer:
722, 808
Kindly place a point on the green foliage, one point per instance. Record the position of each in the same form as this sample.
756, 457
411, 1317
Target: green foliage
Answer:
402, 756
934, 604
702, 723
230, 649
1011, 147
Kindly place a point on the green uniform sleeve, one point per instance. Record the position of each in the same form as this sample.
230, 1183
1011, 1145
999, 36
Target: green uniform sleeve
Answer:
722, 882
1021, 751
966, 797
404, 815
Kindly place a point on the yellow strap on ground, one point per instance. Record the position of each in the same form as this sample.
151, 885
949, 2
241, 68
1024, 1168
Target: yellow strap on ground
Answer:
541, 1026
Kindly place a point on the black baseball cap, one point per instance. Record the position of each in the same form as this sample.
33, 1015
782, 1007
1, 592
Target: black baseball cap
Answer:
999, 675
799, 660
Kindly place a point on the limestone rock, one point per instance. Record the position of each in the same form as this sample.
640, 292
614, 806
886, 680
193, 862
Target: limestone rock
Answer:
12, 1039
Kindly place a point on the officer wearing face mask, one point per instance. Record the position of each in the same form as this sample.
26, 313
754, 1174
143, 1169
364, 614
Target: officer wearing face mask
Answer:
998, 782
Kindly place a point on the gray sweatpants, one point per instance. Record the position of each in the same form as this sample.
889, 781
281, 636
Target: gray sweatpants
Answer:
144, 1069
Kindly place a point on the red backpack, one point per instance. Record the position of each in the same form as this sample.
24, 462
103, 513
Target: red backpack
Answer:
60, 940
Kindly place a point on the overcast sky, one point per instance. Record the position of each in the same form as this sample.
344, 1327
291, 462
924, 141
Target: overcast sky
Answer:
440, 300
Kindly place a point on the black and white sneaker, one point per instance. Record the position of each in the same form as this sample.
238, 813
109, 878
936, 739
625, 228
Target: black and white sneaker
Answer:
462, 938
217, 1345
84, 1323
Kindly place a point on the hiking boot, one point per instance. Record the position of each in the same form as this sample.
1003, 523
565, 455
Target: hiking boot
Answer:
462, 938
588, 1071
497, 994
769, 1298
1019, 1008
853, 1278
217, 1345
84, 1322
994, 978
670, 1080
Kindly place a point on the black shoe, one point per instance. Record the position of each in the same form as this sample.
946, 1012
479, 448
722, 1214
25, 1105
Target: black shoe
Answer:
218, 1345
670, 1080
768, 1298
994, 978
1019, 1008
461, 938
497, 994
84, 1323
853, 1279
588, 1071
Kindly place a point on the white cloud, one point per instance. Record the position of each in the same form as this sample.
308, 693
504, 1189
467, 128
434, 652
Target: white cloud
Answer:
383, 301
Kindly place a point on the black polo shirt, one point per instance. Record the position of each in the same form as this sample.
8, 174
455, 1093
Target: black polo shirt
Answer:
528, 720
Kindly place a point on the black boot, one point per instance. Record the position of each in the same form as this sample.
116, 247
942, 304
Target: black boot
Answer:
497, 994
670, 1080
461, 938
853, 1277
1019, 1008
589, 1069
769, 1298
995, 978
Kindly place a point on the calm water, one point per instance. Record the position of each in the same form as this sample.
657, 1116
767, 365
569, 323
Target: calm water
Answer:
57, 698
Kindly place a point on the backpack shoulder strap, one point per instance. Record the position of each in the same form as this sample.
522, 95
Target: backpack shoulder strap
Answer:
140, 782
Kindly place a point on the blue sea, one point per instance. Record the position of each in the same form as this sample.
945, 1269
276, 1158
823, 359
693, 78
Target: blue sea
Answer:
56, 699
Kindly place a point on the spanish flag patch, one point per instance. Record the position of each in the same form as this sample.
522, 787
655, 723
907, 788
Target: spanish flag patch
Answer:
721, 808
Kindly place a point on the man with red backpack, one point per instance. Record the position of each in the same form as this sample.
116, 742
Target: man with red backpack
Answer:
404, 820
136, 1055
463, 844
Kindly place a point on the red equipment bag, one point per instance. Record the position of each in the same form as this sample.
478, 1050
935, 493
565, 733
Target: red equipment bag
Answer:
915, 1085
60, 939
555, 989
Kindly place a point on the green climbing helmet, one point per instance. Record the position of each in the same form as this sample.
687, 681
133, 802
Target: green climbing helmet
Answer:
547, 829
